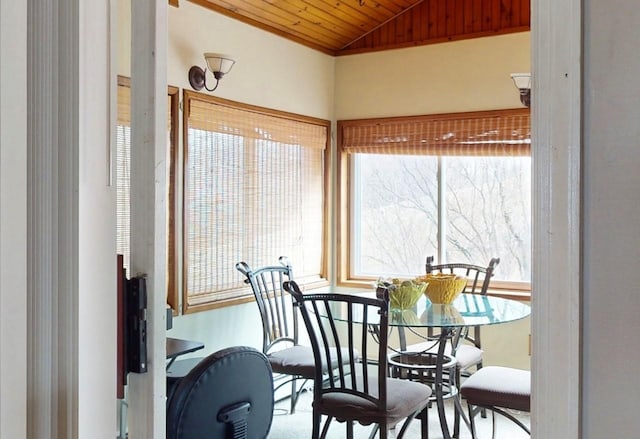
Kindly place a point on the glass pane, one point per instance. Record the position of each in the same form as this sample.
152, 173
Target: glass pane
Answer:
394, 223
488, 211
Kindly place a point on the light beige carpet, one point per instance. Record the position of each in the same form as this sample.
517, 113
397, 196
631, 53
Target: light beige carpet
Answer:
298, 425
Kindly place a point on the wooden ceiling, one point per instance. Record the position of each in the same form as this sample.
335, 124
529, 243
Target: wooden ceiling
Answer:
341, 27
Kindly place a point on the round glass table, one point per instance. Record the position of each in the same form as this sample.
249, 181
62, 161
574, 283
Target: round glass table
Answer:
468, 310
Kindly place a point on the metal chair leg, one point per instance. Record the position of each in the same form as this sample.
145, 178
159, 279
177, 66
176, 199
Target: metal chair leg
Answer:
493, 425
424, 423
472, 422
294, 398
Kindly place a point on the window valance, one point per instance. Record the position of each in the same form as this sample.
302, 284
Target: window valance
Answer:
492, 133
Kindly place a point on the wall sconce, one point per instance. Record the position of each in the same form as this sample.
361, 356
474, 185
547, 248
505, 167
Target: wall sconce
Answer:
523, 83
217, 63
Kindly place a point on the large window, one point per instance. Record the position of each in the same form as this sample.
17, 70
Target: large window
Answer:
454, 186
254, 190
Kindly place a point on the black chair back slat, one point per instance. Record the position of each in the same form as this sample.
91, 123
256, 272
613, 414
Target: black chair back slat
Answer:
334, 336
278, 314
479, 280
350, 376
278, 323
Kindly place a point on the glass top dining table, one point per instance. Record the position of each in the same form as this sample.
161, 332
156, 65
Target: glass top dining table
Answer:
466, 310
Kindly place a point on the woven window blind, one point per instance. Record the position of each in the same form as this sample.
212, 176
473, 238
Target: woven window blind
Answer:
254, 191
495, 133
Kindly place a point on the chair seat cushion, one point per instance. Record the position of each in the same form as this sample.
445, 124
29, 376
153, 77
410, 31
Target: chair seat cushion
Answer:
298, 360
468, 355
498, 386
403, 399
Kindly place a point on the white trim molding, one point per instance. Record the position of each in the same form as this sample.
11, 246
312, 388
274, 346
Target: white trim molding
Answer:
147, 392
556, 152
71, 278
13, 219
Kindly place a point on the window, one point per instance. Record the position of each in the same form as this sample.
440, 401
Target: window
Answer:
455, 186
254, 190
123, 179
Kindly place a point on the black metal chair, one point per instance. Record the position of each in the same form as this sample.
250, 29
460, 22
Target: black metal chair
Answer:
228, 394
290, 361
498, 389
463, 349
468, 352
357, 390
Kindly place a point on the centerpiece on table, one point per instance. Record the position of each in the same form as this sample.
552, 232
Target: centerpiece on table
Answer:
403, 294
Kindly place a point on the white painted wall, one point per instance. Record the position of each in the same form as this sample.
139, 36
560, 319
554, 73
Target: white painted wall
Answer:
13, 219
96, 222
611, 236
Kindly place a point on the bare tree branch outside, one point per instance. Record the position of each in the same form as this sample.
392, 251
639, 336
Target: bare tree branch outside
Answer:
486, 203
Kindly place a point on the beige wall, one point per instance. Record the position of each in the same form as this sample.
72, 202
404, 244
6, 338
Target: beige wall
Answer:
468, 75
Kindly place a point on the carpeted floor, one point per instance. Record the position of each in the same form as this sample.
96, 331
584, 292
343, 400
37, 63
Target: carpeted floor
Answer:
298, 425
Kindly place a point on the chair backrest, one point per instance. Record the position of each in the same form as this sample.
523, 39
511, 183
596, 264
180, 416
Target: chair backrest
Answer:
279, 320
479, 280
479, 277
349, 337
229, 394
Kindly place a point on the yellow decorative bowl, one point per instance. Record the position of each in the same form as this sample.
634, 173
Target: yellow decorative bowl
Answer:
444, 288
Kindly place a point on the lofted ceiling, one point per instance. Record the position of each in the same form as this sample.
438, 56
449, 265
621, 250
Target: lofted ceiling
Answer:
341, 27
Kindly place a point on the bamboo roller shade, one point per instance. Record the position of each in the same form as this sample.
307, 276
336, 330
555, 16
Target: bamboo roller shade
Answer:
254, 191
495, 133
253, 125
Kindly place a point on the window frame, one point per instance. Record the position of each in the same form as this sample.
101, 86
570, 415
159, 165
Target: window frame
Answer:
346, 215
244, 295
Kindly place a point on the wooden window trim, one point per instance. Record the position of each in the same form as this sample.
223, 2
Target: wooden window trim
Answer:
246, 296
520, 290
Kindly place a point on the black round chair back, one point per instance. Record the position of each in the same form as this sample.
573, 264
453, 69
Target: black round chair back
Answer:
229, 394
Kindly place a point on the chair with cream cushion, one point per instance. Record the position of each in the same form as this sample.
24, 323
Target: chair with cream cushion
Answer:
498, 389
469, 352
291, 362
358, 390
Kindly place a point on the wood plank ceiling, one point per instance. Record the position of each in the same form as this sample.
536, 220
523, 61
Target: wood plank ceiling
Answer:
342, 27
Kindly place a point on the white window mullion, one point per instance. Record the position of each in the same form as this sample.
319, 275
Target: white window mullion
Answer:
442, 210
